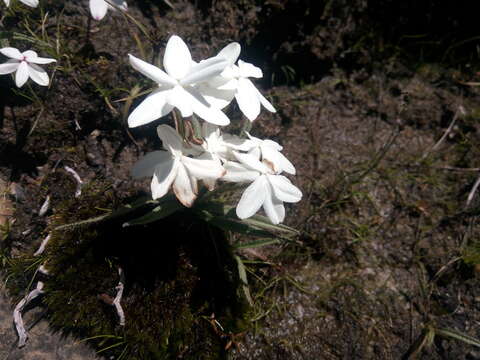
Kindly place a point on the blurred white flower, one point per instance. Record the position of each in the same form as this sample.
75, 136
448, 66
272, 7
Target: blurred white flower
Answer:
98, 8
172, 168
269, 150
32, 3
25, 66
268, 189
176, 86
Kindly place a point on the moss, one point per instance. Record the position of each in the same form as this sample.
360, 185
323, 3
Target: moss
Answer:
181, 280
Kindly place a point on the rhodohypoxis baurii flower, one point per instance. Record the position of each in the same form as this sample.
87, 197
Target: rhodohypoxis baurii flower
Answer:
268, 189
172, 168
234, 82
32, 3
176, 86
25, 66
98, 8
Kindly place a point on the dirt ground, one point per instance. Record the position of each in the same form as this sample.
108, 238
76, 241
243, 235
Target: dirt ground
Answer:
381, 125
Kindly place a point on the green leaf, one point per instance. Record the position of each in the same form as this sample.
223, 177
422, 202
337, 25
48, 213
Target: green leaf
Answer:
458, 336
255, 244
243, 276
161, 211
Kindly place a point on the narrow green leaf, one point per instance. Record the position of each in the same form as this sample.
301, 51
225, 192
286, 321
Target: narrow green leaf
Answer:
255, 244
161, 211
243, 276
454, 334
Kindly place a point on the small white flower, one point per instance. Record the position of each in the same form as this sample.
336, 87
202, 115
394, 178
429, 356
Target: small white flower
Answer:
234, 82
221, 145
268, 189
98, 8
176, 86
172, 168
25, 66
31, 3
269, 150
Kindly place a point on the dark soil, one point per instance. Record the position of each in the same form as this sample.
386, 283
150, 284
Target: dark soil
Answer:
378, 109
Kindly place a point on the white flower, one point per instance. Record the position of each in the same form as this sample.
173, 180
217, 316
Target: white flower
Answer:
269, 150
268, 190
172, 168
234, 82
25, 66
221, 145
176, 86
32, 3
98, 8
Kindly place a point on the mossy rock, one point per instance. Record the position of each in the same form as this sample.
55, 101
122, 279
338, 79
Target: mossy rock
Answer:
181, 282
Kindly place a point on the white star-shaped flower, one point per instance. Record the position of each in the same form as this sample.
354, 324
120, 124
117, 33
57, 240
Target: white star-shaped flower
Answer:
176, 86
25, 65
98, 8
172, 168
268, 189
31, 3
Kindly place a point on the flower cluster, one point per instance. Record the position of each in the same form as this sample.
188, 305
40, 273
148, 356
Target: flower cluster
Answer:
204, 89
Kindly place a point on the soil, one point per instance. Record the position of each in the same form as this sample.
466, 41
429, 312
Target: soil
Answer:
377, 108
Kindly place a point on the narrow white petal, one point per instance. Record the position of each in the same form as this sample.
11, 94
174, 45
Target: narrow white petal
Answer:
21, 75
208, 113
170, 139
203, 168
279, 161
98, 9
252, 198
181, 99
30, 54
183, 187
249, 70
12, 53
266, 104
177, 60
252, 162
147, 164
205, 64
151, 71
270, 143
9, 67
163, 177
152, 108
238, 143
7, 2
283, 189
216, 97
41, 60
32, 3
273, 207
247, 99
205, 73
38, 75
231, 52
238, 173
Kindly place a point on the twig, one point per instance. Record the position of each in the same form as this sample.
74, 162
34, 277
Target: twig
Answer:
75, 175
472, 192
118, 298
17, 313
42, 246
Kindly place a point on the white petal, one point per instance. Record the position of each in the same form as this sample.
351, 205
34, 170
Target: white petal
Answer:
29, 54
163, 177
183, 187
249, 70
7, 2
177, 60
152, 108
147, 164
273, 207
98, 9
231, 52
247, 99
32, 3
121, 4
21, 75
252, 162
279, 161
203, 168
170, 139
10, 66
238, 143
38, 75
283, 189
208, 113
151, 71
205, 73
41, 60
252, 198
238, 173
12, 53
197, 67
216, 97
270, 143
181, 99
